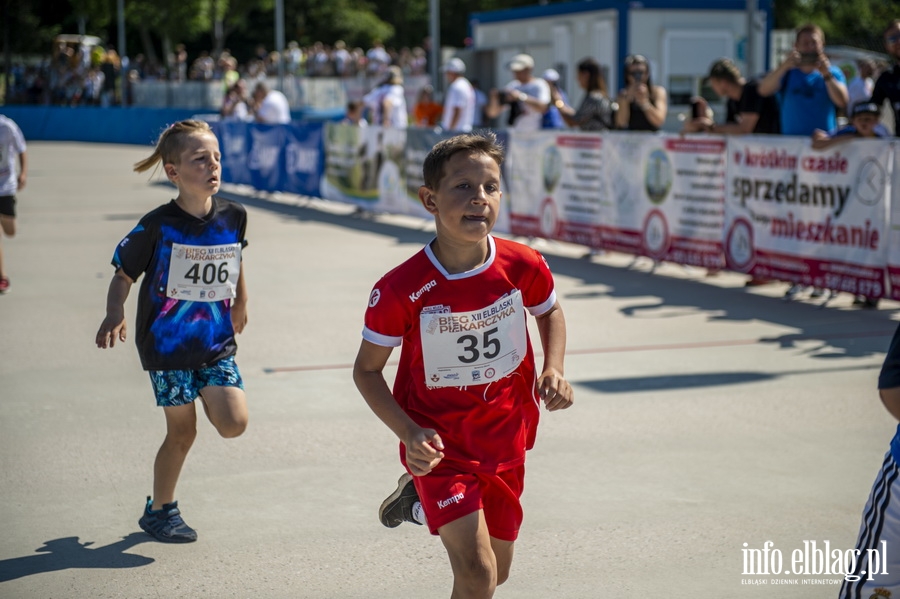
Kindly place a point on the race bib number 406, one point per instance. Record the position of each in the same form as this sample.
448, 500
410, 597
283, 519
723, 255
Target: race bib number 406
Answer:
474, 348
204, 273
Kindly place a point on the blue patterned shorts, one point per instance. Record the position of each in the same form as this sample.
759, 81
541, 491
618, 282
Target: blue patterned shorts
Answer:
180, 387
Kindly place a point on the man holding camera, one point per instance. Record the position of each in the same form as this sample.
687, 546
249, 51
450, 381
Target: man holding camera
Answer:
526, 96
809, 88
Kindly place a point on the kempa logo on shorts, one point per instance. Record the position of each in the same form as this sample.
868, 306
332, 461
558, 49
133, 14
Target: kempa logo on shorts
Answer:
426, 287
454, 499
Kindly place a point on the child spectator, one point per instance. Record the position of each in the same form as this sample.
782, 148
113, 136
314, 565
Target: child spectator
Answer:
426, 112
864, 123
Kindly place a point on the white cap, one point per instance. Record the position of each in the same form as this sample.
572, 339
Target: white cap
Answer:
521, 61
550, 75
454, 65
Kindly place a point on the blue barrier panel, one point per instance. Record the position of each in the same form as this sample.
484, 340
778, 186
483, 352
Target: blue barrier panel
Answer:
272, 157
304, 158
102, 125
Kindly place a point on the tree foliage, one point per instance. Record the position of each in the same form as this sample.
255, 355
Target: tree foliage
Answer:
213, 24
838, 18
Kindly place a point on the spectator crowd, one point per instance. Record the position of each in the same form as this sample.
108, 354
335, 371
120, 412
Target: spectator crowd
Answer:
84, 75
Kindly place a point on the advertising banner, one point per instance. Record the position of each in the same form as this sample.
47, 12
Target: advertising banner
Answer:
668, 195
557, 184
808, 216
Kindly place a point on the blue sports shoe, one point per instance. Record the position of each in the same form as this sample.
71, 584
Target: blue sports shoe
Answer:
166, 525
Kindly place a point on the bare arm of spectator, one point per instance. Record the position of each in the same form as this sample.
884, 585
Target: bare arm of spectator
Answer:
623, 114
822, 141
770, 84
657, 110
493, 108
454, 119
837, 91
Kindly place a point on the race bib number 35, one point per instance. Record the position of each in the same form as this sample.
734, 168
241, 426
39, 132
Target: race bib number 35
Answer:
474, 348
204, 273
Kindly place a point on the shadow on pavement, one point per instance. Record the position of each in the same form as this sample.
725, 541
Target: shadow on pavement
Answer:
691, 381
68, 553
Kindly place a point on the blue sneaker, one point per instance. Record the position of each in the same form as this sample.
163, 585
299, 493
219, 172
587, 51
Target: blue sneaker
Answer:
398, 507
166, 525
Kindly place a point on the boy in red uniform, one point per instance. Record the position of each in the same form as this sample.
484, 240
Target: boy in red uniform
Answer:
465, 401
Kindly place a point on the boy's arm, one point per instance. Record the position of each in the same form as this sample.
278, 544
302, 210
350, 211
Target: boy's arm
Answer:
23, 171
113, 325
239, 304
891, 400
552, 385
423, 445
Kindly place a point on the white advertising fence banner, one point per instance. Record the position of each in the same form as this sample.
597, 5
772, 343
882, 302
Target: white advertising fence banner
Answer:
893, 254
815, 217
769, 206
668, 193
558, 186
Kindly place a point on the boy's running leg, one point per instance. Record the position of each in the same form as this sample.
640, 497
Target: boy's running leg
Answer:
226, 408
476, 566
503, 552
181, 430
8, 226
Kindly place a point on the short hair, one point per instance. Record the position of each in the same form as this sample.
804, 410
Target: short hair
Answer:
811, 28
482, 142
725, 70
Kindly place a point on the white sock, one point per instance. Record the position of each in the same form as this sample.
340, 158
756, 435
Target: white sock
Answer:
418, 513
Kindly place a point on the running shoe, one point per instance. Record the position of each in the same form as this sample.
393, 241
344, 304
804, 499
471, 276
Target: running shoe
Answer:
865, 302
166, 525
4, 285
397, 508
792, 291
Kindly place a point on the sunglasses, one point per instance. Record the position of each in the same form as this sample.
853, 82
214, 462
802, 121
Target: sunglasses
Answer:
892, 39
636, 72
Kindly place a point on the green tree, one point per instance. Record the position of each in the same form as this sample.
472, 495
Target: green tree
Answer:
354, 21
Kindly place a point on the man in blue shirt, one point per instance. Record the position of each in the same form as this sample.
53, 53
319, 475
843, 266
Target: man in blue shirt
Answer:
809, 88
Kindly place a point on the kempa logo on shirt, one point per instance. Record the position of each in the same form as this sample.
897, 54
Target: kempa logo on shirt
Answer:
373, 299
426, 287
453, 499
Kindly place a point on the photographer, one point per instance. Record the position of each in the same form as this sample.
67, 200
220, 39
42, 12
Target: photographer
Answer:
526, 97
642, 105
810, 90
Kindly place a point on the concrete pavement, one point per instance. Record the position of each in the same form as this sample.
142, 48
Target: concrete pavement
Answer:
707, 416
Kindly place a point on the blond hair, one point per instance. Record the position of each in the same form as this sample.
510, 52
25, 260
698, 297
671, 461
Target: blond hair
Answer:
171, 143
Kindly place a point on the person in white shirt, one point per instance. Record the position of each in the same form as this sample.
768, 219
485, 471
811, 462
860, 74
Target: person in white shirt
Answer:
860, 87
459, 102
270, 105
387, 102
526, 96
12, 151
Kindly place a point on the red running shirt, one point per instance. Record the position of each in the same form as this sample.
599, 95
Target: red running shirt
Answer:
466, 363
